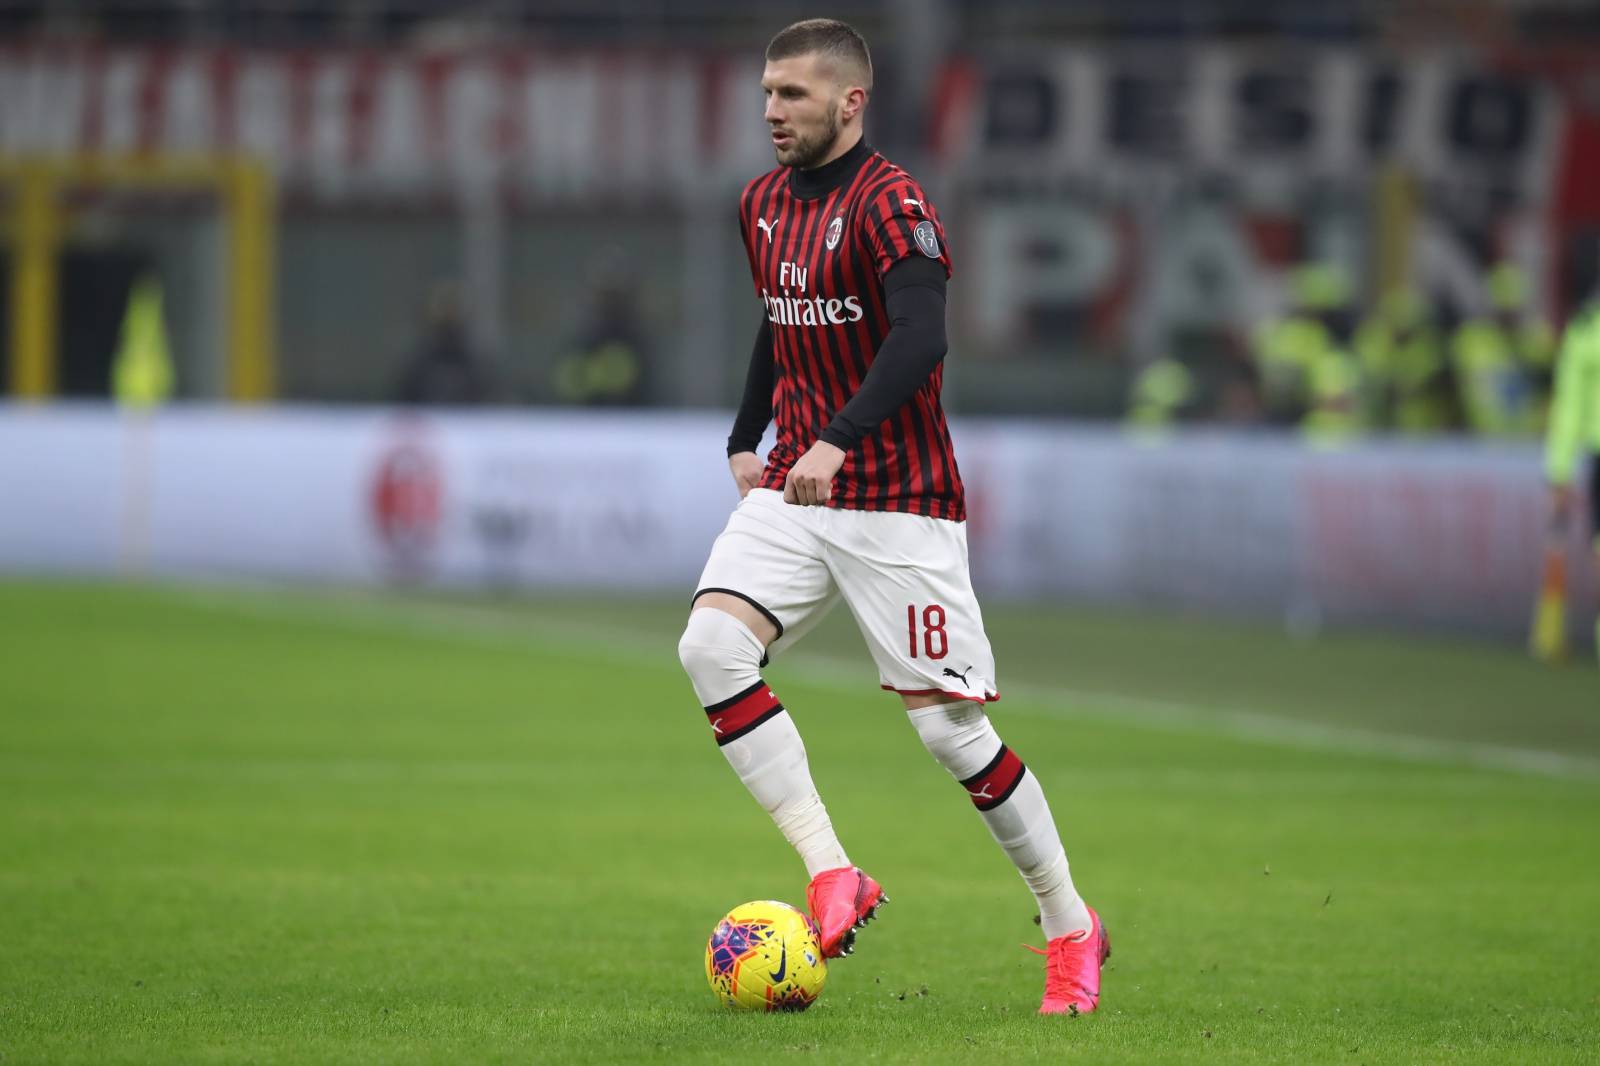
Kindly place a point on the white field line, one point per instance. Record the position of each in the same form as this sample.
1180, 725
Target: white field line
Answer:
624, 644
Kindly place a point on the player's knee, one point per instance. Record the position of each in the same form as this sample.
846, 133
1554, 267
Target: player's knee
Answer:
716, 647
959, 735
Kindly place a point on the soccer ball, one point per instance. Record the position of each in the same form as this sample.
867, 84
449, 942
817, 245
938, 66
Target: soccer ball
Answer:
765, 956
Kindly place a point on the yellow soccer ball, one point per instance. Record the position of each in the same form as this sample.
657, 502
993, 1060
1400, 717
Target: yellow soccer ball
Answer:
765, 956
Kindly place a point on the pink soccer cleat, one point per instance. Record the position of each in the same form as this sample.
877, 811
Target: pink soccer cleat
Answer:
1072, 970
842, 901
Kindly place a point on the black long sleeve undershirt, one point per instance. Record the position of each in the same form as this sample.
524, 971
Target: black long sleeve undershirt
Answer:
755, 410
914, 291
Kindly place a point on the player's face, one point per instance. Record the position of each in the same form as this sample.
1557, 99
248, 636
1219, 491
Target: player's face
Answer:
802, 110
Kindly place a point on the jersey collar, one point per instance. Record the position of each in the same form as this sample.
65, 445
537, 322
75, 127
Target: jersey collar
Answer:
810, 184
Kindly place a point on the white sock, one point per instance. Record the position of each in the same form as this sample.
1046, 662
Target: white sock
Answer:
756, 734
1012, 804
771, 761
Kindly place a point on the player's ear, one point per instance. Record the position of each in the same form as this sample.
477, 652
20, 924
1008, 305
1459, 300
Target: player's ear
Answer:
855, 99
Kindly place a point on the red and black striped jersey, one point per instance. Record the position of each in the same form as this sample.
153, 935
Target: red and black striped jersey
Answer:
817, 257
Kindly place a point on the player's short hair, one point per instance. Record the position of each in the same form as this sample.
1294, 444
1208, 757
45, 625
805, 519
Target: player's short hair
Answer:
831, 39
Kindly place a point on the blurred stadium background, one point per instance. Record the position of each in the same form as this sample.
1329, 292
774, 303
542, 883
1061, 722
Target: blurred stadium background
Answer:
1256, 310
348, 344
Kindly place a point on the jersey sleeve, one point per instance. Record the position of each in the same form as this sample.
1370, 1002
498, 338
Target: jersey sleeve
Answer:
898, 221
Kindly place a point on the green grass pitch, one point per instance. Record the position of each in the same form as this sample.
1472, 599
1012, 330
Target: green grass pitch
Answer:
292, 826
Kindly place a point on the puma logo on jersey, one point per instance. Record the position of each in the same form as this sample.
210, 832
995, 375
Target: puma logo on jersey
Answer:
767, 227
962, 675
917, 203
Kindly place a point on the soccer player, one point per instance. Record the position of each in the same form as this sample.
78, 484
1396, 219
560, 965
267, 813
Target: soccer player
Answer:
859, 499
1574, 429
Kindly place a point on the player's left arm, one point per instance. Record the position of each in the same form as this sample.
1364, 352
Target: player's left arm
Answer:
904, 235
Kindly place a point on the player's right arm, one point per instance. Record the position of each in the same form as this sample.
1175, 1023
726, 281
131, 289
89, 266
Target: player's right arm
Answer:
755, 412
755, 407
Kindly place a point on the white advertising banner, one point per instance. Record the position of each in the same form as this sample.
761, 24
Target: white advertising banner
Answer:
1443, 533
537, 498
1446, 532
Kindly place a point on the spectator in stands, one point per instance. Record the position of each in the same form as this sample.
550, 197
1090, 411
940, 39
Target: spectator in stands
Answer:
1171, 390
1163, 394
1308, 376
445, 369
609, 358
1407, 381
1504, 360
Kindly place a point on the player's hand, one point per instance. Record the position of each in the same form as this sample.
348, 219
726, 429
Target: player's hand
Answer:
747, 468
811, 478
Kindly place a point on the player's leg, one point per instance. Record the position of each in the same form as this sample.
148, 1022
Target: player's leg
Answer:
722, 649
1012, 803
762, 587
906, 581
1547, 636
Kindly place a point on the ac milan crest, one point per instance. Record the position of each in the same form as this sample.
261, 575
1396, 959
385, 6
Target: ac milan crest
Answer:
835, 231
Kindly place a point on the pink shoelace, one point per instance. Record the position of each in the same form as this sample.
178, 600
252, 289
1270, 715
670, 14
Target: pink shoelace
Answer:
1058, 979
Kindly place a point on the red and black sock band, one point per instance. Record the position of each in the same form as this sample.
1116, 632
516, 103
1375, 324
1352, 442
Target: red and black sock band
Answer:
994, 784
737, 715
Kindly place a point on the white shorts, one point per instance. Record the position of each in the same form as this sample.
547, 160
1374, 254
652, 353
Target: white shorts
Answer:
903, 576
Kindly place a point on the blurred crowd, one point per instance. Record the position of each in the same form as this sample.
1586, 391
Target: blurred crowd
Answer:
468, 207
604, 360
1333, 368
